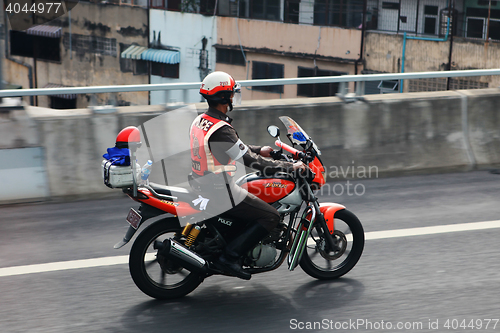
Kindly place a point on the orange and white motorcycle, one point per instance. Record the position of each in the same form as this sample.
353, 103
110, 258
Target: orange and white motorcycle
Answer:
173, 255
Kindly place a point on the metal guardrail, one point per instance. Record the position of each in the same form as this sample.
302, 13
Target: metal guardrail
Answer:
247, 83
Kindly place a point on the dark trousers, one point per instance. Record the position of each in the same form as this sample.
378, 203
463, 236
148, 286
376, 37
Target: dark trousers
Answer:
253, 209
232, 200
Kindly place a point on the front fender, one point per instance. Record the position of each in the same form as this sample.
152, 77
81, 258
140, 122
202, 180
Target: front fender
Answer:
328, 209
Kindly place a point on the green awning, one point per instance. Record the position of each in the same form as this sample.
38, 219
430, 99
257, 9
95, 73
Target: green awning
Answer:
133, 52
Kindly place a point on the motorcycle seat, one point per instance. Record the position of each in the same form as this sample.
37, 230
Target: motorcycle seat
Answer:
181, 193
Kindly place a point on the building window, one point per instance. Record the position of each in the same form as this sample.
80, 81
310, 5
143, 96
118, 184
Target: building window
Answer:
390, 5
494, 29
62, 103
126, 65
104, 46
292, 8
207, 7
317, 89
344, 13
228, 56
165, 70
138, 67
166, 4
43, 48
487, 3
430, 19
141, 68
91, 44
475, 27
440, 84
266, 9
266, 70
388, 86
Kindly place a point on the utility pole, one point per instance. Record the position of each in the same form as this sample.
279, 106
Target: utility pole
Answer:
4, 21
452, 27
487, 41
35, 51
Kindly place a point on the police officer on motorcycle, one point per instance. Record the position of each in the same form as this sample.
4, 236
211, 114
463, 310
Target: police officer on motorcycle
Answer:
215, 147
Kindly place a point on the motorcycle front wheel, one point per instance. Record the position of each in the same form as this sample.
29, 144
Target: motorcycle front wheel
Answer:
154, 274
324, 263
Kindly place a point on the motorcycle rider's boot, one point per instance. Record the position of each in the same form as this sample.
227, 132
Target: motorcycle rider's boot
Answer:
240, 246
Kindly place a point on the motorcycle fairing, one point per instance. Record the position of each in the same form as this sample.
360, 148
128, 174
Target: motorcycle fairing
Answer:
316, 165
296, 133
269, 189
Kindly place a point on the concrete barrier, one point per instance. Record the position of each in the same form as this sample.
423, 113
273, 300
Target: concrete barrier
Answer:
385, 135
483, 123
396, 134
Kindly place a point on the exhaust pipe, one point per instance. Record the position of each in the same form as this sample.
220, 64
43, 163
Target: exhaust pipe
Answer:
183, 256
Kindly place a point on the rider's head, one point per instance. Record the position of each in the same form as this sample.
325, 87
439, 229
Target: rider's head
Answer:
220, 88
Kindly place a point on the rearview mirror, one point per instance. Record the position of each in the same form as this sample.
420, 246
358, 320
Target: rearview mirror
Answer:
273, 130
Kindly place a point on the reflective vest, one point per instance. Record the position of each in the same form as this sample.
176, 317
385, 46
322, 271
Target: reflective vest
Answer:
202, 160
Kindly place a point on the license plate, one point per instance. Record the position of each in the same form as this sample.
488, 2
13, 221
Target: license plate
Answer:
134, 218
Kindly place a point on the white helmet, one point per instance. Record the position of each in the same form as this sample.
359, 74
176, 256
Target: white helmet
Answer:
218, 87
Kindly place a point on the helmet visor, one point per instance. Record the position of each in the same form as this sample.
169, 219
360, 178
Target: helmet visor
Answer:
237, 94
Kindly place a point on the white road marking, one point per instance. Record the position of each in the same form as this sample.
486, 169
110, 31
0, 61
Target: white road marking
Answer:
438, 229
119, 260
63, 265
66, 265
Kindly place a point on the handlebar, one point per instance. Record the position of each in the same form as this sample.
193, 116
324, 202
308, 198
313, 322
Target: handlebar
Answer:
296, 154
276, 155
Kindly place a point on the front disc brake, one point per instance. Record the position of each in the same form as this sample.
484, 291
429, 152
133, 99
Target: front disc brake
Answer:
340, 241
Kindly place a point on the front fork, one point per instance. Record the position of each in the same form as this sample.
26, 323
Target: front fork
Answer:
305, 227
326, 231
300, 242
321, 219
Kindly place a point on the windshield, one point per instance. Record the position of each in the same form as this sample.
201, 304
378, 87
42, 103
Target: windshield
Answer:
296, 134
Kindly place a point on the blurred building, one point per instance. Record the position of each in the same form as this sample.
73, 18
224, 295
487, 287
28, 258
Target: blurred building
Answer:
470, 41
257, 39
80, 48
173, 41
184, 52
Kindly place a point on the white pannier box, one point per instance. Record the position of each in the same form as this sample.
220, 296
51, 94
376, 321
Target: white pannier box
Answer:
118, 176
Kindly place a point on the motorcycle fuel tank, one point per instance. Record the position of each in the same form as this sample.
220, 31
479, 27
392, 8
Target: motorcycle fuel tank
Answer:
268, 189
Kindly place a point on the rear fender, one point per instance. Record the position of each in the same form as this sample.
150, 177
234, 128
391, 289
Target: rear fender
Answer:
146, 212
328, 209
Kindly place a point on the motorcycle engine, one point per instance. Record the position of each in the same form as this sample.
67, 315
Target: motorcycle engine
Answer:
263, 255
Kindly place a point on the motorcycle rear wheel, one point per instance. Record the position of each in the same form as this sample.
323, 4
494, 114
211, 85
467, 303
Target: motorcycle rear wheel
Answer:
153, 274
323, 263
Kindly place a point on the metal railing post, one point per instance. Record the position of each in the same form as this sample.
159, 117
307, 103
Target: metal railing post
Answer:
167, 96
360, 88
